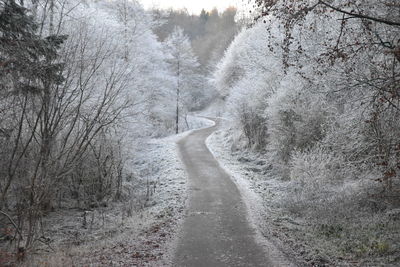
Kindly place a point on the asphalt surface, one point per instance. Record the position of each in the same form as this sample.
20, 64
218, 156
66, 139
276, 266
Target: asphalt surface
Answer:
215, 231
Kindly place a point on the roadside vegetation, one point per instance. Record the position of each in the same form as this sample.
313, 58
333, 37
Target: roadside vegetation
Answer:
312, 93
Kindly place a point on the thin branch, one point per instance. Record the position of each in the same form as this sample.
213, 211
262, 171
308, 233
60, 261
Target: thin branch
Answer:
13, 223
361, 16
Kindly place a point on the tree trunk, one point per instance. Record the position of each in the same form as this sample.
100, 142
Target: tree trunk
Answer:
177, 98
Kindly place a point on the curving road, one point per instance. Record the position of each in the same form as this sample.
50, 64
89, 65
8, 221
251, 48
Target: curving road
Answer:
215, 231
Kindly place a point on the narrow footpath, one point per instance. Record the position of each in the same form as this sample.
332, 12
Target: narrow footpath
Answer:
216, 231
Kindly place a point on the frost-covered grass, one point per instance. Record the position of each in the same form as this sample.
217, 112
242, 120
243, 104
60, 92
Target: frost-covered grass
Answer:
319, 223
138, 230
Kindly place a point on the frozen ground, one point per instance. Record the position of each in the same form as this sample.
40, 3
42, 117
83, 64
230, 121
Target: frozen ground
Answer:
335, 237
138, 231
142, 229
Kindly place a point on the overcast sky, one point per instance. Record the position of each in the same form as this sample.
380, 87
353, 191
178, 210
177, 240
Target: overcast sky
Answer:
193, 6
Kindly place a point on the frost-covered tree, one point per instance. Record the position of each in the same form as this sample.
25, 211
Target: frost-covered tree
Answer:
247, 75
344, 55
70, 107
184, 66
210, 32
314, 86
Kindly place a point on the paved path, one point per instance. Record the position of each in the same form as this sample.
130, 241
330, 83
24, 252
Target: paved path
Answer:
215, 231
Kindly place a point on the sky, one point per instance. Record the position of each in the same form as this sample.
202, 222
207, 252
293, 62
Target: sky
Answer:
193, 6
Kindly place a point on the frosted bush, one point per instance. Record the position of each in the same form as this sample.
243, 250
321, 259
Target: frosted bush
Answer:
246, 77
298, 118
319, 184
317, 165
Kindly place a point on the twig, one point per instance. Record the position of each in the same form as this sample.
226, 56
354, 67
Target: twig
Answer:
46, 241
361, 16
13, 223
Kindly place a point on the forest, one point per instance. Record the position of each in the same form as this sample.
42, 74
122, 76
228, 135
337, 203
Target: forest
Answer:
95, 94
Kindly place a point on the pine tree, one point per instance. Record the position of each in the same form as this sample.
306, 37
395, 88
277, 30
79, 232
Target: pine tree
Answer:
29, 67
26, 59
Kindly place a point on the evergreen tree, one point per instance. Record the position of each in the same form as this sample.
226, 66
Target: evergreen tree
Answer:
204, 15
27, 61
30, 72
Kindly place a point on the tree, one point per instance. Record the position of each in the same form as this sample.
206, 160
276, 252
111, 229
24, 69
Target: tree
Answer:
29, 68
204, 15
22, 49
62, 104
210, 32
183, 67
351, 38
31, 71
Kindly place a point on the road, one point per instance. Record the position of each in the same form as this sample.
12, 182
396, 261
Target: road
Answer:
216, 231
